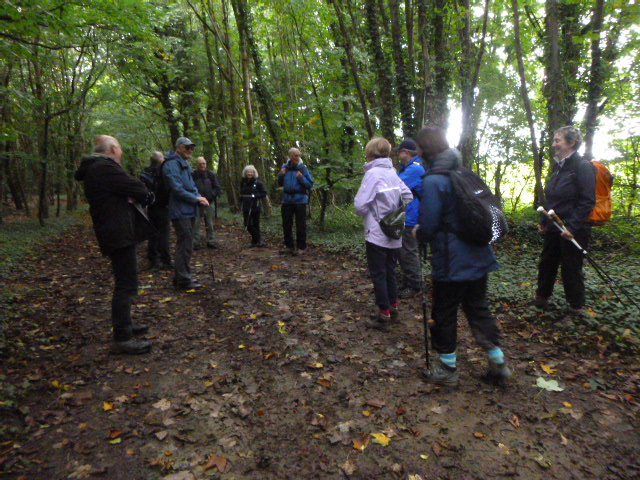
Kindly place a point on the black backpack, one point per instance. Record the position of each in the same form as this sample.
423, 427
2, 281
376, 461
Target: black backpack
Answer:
155, 182
479, 214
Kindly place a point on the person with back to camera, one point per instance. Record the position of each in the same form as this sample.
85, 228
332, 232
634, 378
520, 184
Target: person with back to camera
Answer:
380, 192
571, 193
459, 269
251, 192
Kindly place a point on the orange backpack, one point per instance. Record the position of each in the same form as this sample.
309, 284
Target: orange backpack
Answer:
601, 213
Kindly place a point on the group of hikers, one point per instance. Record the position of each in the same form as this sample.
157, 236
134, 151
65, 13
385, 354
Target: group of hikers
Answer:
422, 189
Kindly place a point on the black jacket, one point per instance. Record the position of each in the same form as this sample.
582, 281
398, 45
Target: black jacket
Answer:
207, 183
571, 192
251, 191
108, 187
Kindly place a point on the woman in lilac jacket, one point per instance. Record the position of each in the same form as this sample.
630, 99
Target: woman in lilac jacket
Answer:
380, 192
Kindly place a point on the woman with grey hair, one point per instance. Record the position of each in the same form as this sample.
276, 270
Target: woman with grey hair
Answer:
251, 192
571, 193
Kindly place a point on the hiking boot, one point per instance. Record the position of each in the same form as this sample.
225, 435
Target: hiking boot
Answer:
440, 374
408, 293
285, 251
139, 329
189, 286
295, 253
379, 321
131, 346
497, 373
394, 317
541, 302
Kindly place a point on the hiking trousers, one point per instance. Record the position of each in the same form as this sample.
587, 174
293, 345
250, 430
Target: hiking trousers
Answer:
557, 251
207, 214
125, 274
158, 245
472, 295
298, 212
184, 250
409, 261
382, 265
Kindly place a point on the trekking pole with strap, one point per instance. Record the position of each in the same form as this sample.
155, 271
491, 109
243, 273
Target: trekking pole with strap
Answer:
423, 290
557, 221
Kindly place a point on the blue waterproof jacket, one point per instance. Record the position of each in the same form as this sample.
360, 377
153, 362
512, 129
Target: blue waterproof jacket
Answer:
183, 200
411, 174
452, 259
296, 190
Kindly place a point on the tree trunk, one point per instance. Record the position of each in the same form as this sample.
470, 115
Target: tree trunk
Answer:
469, 74
436, 111
594, 90
403, 82
536, 152
381, 67
348, 48
244, 20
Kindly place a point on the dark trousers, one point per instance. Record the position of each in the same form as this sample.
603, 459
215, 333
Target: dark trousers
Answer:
125, 274
158, 246
184, 250
409, 261
382, 267
447, 297
557, 251
299, 212
252, 224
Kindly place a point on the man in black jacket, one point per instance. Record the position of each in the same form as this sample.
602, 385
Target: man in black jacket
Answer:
571, 192
119, 223
208, 186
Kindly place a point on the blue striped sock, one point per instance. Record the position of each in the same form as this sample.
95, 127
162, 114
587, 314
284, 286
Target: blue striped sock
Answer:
449, 359
495, 355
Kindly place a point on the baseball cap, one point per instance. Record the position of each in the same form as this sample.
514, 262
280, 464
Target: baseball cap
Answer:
184, 141
407, 144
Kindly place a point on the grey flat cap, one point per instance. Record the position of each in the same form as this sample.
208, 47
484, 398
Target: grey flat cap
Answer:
184, 141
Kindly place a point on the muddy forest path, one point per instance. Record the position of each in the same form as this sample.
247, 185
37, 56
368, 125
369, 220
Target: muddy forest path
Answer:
269, 373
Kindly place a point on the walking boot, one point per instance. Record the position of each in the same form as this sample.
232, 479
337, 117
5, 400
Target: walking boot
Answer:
497, 373
139, 329
541, 302
379, 321
131, 346
440, 374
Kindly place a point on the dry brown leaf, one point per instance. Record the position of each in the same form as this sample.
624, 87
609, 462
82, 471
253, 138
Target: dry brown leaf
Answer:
361, 443
216, 461
479, 435
515, 421
375, 403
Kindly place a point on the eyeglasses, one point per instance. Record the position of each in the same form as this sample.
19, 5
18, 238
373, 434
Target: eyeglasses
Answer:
189, 147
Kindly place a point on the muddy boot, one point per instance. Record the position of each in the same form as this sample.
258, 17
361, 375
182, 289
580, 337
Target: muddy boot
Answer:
139, 329
541, 302
131, 346
380, 321
440, 374
497, 373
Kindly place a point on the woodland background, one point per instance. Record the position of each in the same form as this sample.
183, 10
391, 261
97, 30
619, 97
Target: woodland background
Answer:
248, 80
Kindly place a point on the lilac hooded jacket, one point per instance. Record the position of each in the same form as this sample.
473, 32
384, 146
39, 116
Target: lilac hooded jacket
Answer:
381, 191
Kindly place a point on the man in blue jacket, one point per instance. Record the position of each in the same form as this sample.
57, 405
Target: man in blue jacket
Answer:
411, 172
296, 181
459, 269
183, 204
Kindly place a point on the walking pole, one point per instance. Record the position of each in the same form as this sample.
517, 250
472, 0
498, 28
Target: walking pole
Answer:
423, 290
557, 221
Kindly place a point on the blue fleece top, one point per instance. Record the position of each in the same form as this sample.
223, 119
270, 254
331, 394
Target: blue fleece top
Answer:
295, 189
411, 174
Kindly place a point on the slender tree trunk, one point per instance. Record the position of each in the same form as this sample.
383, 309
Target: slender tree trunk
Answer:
536, 152
403, 81
381, 67
245, 28
594, 91
436, 111
469, 76
348, 47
